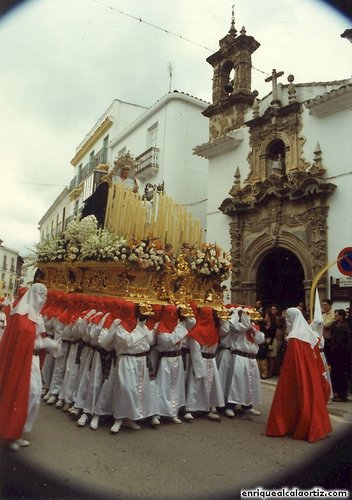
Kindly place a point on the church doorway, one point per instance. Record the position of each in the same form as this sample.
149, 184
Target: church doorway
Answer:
280, 279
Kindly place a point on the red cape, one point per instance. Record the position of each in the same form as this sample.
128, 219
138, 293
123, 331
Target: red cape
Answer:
16, 352
299, 404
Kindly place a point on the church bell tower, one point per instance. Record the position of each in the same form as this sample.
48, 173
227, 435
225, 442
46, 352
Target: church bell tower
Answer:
232, 95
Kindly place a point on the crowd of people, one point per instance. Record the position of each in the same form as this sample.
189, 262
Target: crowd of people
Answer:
99, 357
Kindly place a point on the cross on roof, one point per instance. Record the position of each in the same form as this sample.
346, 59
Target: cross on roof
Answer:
274, 76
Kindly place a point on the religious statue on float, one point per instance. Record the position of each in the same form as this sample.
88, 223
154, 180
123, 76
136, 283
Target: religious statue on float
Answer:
124, 172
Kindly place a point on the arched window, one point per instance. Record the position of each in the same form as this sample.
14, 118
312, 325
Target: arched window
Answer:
275, 158
227, 78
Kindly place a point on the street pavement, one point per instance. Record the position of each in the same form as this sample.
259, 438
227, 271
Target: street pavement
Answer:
201, 460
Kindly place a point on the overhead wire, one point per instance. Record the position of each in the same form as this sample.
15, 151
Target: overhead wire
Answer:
164, 30
33, 183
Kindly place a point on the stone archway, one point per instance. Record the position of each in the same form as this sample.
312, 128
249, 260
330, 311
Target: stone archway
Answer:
280, 279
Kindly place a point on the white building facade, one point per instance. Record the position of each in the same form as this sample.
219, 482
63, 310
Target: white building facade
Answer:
10, 271
160, 138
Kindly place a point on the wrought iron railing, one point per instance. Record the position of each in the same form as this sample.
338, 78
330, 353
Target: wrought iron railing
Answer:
147, 160
97, 159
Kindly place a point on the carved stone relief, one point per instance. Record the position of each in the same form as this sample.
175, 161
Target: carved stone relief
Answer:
291, 213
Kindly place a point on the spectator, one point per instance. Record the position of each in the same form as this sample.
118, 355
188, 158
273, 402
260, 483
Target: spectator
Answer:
328, 319
271, 317
340, 355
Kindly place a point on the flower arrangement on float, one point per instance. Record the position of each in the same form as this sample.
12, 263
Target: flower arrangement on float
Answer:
83, 240
148, 254
210, 261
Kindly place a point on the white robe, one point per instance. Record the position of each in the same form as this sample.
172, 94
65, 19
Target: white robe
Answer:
134, 392
85, 361
245, 388
170, 378
71, 370
35, 384
49, 361
224, 357
104, 402
204, 387
95, 370
60, 359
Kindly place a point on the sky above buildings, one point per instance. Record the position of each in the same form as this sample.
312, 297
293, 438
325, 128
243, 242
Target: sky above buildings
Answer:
63, 63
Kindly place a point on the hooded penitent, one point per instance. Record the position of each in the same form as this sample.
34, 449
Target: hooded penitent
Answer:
16, 352
205, 331
169, 319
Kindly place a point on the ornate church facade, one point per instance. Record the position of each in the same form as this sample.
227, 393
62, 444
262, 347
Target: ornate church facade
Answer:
280, 180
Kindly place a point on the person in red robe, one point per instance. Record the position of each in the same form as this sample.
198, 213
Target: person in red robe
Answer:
299, 404
18, 359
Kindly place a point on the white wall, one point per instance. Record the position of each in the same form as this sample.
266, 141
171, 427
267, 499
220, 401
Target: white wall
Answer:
333, 132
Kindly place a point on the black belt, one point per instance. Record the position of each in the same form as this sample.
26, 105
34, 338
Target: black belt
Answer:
244, 354
81, 345
107, 362
169, 354
321, 349
36, 352
139, 354
208, 355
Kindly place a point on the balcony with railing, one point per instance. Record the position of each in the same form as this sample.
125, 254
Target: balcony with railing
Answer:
148, 163
97, 161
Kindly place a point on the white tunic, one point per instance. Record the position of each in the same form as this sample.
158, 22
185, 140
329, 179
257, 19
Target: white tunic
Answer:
245, 388
35, 385
203, 388
106, 340
134, 393
60, 359
224, 357
95, 370
86, 357
170, 379
48, 365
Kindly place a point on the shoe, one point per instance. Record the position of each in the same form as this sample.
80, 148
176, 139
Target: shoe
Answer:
94, 423
66, 407
59, 404
155, 420
229, 413
116, 427
81, 422
175, 420
188, 417
51, 400
73, 411
44, 392
14, 446
213, 416
47, 396
131, 424
339, 400
252, 411
23, 443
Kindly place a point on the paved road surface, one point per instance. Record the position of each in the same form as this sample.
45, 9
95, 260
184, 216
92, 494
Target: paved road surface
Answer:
201, 460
